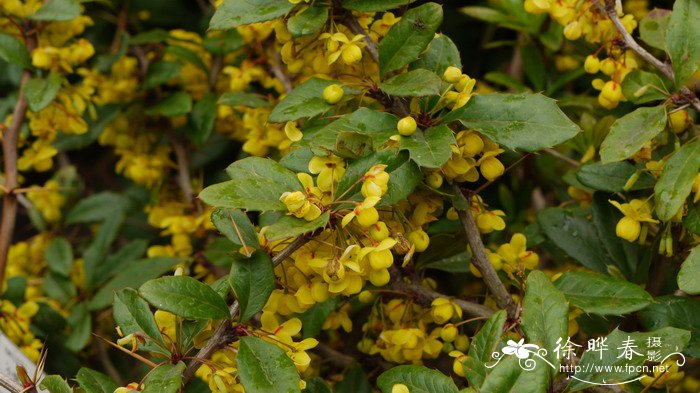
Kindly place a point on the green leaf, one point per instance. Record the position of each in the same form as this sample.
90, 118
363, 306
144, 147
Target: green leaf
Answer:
575, 235
98, 249
612, 177
265, 368
252, 280
683, 39
676, 180
316, 385
408, 38
224, 42
187, 55
203, 118
133, 275
132, 315
130, 252
235, 224
603, 295
237, 98
59, 287
486, 14
484, 343
510, 377
352, 145
290, 226
590, 370
13, 51
306, 100
167, 378
418, 379
629, 133
545, 314
678, 312
184, 296
40, 92
379, 126
150, 36
55, 384
176, 104
312, 319
691, 221
402, 181
234, 13
690, 271
257, 184
58, 10
160, 72
308, 21
59, 256
441, 54
80, 322
533, 65
641, 87
431, 148
92, 381
653, 28
374, 5
509, 120
415, 83
354, 381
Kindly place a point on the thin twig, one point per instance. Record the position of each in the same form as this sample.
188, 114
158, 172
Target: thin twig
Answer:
220, 337
9, 149
183, 169
562, 157
276, 68
609, 9
482, 263
106, 362
333, 356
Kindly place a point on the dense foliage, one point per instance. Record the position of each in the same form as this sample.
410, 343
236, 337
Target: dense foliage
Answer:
351, 195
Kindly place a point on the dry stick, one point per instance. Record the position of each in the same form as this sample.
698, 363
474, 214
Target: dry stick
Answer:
481, 261
183, 169
666, 69
219, 337
276, 68
9, 150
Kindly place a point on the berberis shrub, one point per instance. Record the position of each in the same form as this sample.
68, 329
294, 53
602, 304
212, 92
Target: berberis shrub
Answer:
350, 196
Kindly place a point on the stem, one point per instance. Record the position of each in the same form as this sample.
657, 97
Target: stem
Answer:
482, 263
220, 337
183, 169
276, 68
9, 149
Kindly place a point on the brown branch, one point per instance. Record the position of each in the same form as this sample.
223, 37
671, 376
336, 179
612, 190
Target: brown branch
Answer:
503, 299
9, 149
563, 157
609, 10
183, 168
220, 335
106, 362
426, 296
276, 68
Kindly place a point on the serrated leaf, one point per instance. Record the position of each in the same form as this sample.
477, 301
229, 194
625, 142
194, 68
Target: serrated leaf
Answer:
612, 177
13, 51
252, 280
509, 120
374, 5
402, 181
483, 344
683, 39
308, 21
575, 235
306, 100
689, 275
629, 133
603, 295
234, 13
408, 38
641, 87
265, 368
256, 185
237, 98
59, 256
236, 226
416, 83
654, 27
92, 381
545, 314
58, 10
678, 312
167, 378
431, 148
672, 340
176, 104
441, 54
418, 379
132, 315
290, 226
676, 180
40, 92
184, 296
55, 384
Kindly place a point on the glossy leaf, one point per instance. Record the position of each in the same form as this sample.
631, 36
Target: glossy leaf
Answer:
290, 226
431, 148
55, 384
92, 381
683, 39
58, 10
629, 133
676, 180
13, 51
641, 87
184, 296
265, 368
234, 13
236, 226
309, 21
41, 91
612, 177
604, 295
167, 378
416, 83
252, 280
418, 379
689, 276
305, 100
132, 315
484, 343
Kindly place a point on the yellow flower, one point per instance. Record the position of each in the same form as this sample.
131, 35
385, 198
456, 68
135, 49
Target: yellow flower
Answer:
515, 256
636, 212
339, 46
